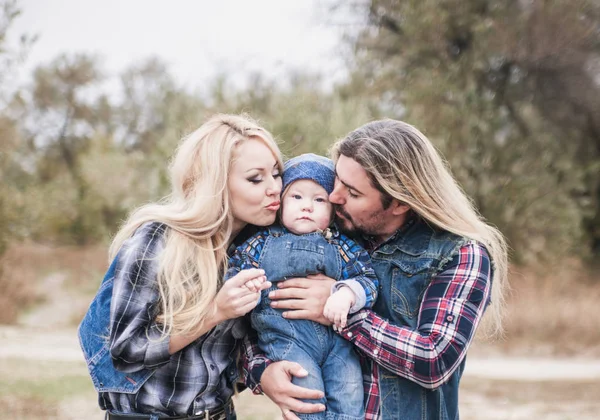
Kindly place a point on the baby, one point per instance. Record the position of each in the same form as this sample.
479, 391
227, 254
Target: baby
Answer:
306, 244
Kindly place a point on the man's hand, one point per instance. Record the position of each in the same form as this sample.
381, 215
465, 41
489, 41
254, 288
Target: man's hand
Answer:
276, 383
303, 297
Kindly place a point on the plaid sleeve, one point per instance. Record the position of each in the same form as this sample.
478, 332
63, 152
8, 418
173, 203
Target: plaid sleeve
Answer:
253, 362
452, 307
136, 341
357, 273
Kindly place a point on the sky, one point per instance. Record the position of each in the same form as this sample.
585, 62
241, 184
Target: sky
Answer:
198, 39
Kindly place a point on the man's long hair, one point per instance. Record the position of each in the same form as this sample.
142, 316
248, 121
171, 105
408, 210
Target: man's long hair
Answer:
403, 164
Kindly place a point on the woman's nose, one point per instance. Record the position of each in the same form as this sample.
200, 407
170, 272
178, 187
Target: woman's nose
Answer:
275, 187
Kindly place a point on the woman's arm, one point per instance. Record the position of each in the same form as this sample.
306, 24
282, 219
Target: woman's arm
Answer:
233, 300
136, 339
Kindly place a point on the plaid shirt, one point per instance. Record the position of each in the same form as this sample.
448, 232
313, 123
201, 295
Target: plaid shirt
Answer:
452, 307
187, 382
357, 271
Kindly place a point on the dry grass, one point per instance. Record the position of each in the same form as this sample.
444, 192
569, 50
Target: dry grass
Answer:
25, 266
550, 312
553, 313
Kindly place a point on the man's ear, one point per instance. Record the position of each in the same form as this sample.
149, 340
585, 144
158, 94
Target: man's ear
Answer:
399, 208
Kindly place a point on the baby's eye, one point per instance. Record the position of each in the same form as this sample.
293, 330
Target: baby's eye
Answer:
296, 196
320, 200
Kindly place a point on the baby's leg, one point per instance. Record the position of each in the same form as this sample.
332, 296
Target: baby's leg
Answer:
343, 381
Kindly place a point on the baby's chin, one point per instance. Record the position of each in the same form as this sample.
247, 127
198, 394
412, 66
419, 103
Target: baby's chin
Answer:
304, 227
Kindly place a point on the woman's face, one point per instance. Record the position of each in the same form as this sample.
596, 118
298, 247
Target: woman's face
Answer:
254, 185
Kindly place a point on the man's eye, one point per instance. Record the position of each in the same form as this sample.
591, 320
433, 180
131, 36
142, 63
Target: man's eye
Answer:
352, 194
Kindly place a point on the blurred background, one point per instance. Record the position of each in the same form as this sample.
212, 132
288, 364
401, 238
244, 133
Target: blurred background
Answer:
94, 97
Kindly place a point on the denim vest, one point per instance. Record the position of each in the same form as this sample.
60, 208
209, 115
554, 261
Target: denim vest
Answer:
405, 265
285, 255
94, 334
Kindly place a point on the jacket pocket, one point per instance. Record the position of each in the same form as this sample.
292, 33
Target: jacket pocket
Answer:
410, 279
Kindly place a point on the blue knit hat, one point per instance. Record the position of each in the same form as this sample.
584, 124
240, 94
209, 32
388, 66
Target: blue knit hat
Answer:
309, 166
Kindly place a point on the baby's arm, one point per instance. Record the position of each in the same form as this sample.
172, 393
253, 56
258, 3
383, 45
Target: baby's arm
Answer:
245, 257
338, 305
356, 289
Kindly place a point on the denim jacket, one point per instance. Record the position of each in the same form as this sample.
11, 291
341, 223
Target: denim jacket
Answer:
94, 334
405, 266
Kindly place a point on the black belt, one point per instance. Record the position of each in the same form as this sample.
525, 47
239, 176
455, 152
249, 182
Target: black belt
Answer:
215, 414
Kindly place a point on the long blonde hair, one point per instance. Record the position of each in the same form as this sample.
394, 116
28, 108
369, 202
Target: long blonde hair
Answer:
197, 214
403, 164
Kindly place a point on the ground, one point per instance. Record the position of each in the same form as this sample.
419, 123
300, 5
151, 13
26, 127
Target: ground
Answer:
43, 376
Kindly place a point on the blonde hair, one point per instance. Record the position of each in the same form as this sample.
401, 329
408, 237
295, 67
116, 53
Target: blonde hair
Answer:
403, 164
199, 220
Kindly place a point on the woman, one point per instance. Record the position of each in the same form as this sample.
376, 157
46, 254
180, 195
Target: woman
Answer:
166, 347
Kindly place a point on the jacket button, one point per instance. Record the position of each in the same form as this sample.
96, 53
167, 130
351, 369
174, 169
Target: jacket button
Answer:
449, 318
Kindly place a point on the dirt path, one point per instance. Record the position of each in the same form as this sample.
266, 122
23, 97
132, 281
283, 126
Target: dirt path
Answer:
495, 387
62, 345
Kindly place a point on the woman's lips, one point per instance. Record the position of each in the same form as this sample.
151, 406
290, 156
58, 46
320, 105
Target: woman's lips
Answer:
274, 206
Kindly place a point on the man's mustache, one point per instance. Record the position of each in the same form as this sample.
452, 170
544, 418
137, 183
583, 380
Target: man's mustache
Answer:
340, 210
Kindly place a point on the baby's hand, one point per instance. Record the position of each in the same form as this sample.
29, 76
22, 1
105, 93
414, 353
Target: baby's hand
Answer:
254, 284
337, 307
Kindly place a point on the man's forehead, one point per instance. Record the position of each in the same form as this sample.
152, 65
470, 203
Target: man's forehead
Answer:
353, 175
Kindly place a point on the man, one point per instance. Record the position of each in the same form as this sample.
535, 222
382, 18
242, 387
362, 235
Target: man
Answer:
433, 256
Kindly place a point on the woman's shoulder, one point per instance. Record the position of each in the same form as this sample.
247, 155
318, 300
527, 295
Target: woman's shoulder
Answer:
147, 238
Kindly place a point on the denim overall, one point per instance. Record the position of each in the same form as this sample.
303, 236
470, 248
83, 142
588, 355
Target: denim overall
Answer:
331, 362
405, 267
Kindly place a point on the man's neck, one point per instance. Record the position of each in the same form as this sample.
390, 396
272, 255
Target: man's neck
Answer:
404, 221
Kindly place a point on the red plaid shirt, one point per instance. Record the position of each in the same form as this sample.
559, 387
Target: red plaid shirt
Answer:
452, 307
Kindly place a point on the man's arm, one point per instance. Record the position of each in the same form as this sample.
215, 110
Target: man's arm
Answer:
452, 307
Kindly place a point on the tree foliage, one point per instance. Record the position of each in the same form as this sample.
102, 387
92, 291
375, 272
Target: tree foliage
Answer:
510, 92
507, 90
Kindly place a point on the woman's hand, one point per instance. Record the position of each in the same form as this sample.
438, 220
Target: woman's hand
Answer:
303, 297
233, 300
276, 383
236, 297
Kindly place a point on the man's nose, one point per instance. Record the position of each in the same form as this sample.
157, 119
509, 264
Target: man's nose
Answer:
336, 197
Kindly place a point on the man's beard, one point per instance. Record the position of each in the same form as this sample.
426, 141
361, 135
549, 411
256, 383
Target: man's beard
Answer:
346, 225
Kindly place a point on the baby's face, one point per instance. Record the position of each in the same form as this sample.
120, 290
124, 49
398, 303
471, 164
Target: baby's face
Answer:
305, 207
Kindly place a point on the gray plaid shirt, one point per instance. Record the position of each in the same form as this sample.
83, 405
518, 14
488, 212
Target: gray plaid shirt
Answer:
195, 378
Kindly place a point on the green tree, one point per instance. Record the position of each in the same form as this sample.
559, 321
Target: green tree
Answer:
13, 176
509, 92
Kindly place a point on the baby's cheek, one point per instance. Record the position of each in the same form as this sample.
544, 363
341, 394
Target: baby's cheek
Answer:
323, 222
